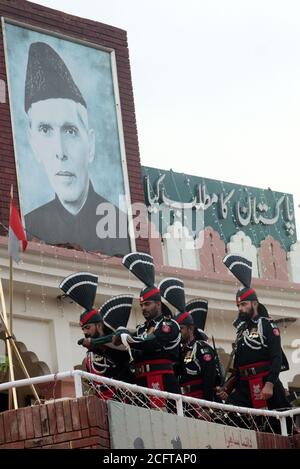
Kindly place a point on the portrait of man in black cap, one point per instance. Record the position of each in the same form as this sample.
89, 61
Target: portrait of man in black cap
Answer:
63, 141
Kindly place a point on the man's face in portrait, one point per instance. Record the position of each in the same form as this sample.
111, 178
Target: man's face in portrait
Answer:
62, 141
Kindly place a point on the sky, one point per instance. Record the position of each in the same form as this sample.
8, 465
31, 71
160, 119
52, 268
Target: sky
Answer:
216, 85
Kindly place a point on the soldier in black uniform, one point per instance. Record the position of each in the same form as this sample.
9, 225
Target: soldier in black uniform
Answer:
258, 355
98, 327
197, 373
154, 344
102, 359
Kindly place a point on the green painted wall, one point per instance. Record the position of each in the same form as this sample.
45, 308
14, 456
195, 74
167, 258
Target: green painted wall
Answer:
257, 212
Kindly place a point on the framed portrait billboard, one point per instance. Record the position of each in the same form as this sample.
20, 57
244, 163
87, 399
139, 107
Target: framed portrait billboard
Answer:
68, 140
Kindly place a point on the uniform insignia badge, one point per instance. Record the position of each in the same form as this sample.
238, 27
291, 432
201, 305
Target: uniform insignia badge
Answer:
98, 358
188, 357
256, 391
166, 329
156, 386
207, 357
253, 334
149, 331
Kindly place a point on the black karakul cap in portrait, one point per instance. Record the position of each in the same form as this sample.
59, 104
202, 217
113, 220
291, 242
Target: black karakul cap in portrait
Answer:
48, 77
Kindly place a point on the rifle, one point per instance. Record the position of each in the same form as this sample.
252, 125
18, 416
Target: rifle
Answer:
218, 364
228, 367
232, 380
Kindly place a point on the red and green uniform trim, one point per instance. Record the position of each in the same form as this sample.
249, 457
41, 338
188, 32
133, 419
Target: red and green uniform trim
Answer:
151, 295
86, 319
246, 295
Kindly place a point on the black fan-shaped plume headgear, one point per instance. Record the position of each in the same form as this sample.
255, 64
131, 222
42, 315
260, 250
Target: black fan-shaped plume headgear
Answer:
81, 287
172, 290
240, 267
198, 310
116, 311
242, 270
142, 266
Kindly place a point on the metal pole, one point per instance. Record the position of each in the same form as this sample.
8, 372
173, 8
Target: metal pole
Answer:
283, 426
11, 272
78, 384
37, 380
10, 360
179, 407
11, 293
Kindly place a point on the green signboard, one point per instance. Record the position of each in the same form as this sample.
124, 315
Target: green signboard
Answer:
228, 208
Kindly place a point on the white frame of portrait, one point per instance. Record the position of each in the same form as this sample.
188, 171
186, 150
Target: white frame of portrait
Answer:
6, 20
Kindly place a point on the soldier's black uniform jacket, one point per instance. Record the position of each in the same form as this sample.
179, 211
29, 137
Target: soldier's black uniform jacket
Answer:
110, 363
156, 346
197, 372
258, 359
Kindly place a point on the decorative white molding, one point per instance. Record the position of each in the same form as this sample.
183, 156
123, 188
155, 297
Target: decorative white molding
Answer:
180, 248
241, 244
294, 262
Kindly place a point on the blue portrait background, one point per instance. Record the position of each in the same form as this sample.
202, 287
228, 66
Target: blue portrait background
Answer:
92, 72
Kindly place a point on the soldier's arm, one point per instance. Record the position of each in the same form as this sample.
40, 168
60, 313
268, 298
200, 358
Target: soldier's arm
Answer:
167, 332
99, 342
208, 366
272, 335
84, 365
224, 391
231, 382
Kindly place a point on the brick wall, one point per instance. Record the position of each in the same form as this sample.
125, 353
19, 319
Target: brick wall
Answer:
296, 441
81, 423
270, 441
83, 29
65, 424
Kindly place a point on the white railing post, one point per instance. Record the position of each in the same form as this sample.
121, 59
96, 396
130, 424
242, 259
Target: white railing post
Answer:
179, 407
283, 426
77, 384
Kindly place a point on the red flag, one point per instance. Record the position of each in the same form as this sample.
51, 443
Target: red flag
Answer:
16, 233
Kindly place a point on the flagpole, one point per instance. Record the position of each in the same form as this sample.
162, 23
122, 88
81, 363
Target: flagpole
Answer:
11, 273
10, 286
9, 325
11, 292
7, 334
15, 235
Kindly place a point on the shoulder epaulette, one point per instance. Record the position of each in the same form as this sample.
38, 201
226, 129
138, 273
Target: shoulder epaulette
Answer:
271, 322
206, 349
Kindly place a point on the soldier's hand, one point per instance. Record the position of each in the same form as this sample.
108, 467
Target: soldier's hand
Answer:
202, 414
84, 342
267, 391
116, 340
221, 393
